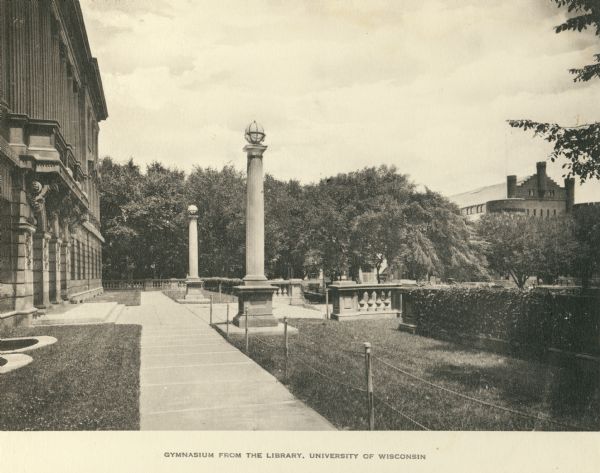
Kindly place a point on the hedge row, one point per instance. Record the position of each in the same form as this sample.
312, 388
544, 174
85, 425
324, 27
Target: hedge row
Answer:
225, 285
531, 320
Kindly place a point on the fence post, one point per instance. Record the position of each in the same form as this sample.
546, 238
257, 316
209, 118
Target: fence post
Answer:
211, 297
286, 345
369, 374
246, 330
227, 326
326, 303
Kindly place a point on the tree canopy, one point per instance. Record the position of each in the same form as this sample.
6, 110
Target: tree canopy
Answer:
341, 224
545, 248
579, 145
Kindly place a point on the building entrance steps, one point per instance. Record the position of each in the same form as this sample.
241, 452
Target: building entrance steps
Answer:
80, 314
191, 378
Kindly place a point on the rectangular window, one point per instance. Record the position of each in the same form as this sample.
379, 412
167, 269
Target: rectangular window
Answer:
534, 212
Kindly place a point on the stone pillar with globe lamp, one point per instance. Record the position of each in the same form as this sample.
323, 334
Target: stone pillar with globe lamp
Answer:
256, 295
193, 283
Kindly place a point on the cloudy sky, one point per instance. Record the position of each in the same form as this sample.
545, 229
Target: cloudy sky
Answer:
425, 85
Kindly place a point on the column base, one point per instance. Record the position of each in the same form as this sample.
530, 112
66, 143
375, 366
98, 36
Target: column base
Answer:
194, 293
257, 300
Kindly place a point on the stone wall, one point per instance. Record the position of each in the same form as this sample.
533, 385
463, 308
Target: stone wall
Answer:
51, 102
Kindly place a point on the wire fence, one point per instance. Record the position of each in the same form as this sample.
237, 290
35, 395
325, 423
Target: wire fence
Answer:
479, 401
292, 357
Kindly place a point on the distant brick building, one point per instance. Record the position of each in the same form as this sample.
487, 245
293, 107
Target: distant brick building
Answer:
536, 196
51, 101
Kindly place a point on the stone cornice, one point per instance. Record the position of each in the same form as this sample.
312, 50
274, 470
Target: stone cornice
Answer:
92, 229
6, 150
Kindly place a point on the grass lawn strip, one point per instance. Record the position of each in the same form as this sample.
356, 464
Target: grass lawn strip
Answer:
88, 380
335, 350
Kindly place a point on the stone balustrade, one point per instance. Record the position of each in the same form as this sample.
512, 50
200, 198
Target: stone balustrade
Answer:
143, 284
288, 290
282, 287
352, 301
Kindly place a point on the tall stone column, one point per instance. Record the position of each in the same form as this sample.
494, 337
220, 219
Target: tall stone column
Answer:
255, 216
255, 297
193, 242
193, 283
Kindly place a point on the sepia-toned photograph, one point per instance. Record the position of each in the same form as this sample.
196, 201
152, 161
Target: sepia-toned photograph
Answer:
310, 218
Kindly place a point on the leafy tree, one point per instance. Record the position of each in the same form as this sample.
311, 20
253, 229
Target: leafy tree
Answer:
556, 248
286, 240
579, 145
142, 219
507, 247
118, 185
220, 198
379, 233
343, 223
161, 213
522, 247
587, 234
344, 211
439, 241
363, 218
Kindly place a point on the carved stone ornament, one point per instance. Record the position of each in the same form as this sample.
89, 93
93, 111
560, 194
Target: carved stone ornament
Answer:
37, 200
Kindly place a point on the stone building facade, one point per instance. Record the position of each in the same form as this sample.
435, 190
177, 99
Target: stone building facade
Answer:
536, 196
51, 102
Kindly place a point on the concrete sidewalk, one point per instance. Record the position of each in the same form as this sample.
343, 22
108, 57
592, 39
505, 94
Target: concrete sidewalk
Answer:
193, 379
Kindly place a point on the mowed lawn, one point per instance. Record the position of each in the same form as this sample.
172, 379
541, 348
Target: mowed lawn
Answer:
87, 380
326, 369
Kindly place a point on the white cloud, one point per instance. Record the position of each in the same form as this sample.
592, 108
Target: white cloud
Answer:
339, 85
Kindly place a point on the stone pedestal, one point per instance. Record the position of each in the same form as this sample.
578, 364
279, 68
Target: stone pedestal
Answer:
296, 294
258, 301
194, 293
408, 319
